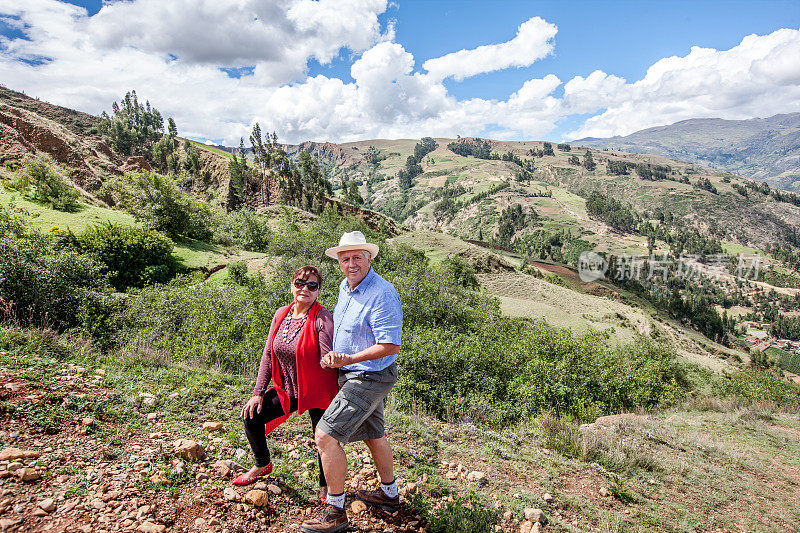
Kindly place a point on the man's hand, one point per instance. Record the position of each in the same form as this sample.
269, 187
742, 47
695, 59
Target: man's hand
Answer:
252, 406
334, 360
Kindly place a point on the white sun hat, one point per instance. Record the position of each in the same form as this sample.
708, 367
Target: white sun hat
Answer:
354, 240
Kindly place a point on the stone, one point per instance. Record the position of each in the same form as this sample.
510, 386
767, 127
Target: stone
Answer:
477, 477
11, 454
214, 521
603, 492
199, 522
451, 475
508, 515
358, 507
28, 474
222, 468
158, 478
411, 488
230, 494
100, 372
47, 505
39, 512
151, 417
189, 449
8, 523
87, 421
257, 498
537, 528
525, 527
274, 489
150, 527
13, 467
547, 497
212, 426
534, 515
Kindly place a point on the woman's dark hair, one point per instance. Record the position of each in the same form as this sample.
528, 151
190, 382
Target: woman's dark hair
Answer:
304, 272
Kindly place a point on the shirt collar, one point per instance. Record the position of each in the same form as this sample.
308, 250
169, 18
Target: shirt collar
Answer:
368, 279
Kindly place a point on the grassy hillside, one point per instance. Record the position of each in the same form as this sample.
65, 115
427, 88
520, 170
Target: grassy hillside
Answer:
555, 191
765, 149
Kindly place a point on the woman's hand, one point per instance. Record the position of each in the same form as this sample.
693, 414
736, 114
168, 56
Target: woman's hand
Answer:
252, 406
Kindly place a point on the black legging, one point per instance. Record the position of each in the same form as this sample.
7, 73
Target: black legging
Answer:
270, 410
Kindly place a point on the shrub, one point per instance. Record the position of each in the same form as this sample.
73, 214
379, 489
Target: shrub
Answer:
158, 202
223, 327
38, 182
501, 370
132, 257
43, 287
244, 228
12, 223
237, 272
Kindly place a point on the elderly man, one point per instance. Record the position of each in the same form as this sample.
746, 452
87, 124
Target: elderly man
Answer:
368, 321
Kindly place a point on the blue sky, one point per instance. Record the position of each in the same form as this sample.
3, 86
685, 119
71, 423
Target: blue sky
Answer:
310, 92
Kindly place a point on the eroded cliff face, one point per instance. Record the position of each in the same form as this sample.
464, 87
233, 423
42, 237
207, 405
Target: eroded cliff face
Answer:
29, 127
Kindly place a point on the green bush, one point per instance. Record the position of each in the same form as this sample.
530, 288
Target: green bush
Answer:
237, 272
43, 287
503, 370
131, 257
12, 222
38, 182
245, 229
160, 204
753, 385
223, 327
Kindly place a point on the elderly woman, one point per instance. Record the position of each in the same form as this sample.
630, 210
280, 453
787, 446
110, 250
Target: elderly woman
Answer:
299, 336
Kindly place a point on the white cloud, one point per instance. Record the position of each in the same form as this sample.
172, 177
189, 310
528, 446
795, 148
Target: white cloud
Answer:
534, 40
760, 77
93, 61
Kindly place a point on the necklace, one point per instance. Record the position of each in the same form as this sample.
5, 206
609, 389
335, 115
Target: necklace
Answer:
285, 334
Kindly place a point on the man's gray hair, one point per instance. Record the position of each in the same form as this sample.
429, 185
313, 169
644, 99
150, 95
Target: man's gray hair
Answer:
366, 254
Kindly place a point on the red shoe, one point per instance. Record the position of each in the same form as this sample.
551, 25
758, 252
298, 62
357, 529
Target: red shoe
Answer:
242, 480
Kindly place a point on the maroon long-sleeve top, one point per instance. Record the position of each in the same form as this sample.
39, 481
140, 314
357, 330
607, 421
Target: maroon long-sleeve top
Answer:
285, 352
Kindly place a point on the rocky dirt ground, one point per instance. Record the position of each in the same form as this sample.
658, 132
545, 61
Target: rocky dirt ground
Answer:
87, 474
115, 443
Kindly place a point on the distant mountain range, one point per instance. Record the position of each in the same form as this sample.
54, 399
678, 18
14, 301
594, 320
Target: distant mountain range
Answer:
766, 149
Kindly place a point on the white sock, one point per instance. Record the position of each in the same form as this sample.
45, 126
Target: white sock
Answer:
390, 489
337, 500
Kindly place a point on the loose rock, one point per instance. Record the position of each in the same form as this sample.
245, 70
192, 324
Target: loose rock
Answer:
47, 505
150, 527
28, 474
534, 515
11, 454
230, 494
212, 426
189, 449
477, 477
358, 507
257, 498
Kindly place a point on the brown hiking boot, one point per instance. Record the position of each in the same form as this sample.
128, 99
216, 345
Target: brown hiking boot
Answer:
378, 498
328, 519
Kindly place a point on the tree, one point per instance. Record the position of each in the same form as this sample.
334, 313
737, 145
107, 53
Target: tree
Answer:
237, 168
588, 161
172, 129
132, 127
262, 159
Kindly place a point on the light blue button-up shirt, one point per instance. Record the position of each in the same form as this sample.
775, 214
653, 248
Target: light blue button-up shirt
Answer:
367, 315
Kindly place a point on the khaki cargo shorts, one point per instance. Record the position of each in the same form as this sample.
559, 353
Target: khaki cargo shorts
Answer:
356, 413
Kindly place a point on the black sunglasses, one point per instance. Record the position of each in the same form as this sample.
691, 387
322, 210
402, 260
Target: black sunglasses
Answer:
300, 283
